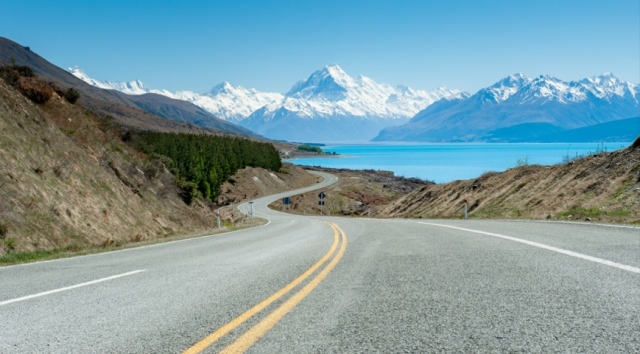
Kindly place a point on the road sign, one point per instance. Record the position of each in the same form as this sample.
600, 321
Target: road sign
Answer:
286, 200
321, 195
321, 202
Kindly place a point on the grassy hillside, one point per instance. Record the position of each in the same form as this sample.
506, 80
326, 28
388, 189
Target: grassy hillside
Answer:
67, 182
70, 184
599, 187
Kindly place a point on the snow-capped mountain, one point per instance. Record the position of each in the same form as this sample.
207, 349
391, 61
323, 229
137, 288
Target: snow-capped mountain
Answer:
232, 103
333, 106
329, 106
518, 107
135, 87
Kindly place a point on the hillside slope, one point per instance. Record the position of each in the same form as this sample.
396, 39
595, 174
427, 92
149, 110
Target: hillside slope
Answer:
65, 183
601, 187
68, 183
149, 111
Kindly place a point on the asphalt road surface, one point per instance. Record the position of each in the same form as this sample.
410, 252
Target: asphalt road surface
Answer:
318, 284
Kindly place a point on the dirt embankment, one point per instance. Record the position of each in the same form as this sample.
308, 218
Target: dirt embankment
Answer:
250, 183
357, 193
602, 187
68, 183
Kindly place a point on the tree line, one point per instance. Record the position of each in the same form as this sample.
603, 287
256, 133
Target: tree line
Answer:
202, 162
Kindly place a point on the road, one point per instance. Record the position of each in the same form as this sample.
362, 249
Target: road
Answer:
317, 284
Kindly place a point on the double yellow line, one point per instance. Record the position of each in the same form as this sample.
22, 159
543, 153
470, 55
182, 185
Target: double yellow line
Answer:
245, 341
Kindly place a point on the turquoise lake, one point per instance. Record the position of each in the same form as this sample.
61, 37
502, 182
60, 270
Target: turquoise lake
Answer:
447, 162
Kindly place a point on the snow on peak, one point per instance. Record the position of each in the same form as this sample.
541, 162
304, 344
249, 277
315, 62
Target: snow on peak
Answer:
327, 92
547, 88
329, 83
135, 87
607, 85
330, 91
505, 88
224, 86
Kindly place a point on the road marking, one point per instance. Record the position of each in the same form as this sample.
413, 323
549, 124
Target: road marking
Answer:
245, 341
6, 302
222, 331
550, 248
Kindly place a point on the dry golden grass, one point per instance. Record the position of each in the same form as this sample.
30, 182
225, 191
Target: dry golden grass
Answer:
66, 183
601, 187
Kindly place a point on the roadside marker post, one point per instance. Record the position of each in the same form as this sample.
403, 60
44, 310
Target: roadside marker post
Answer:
466, 215
218, 218
251, 210
321, 195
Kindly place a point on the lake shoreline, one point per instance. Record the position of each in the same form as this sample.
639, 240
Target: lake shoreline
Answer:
446, 162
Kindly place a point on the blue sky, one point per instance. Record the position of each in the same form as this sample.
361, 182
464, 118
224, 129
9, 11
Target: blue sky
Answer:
269, 45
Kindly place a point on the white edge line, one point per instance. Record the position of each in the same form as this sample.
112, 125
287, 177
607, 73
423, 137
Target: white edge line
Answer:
6, 302
543, 246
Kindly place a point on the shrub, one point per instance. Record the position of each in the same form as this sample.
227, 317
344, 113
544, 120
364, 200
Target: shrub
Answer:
71, 95
4, 230
11, 244
189, 191
11, 73
522, 161
37, 91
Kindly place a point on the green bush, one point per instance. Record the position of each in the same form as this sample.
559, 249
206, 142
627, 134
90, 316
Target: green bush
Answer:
71, 95
189, 191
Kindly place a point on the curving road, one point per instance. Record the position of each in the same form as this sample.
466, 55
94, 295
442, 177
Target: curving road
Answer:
311, 284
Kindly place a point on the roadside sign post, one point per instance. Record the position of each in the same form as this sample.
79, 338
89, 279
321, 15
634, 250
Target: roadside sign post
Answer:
466, 215
321, 202
251, 210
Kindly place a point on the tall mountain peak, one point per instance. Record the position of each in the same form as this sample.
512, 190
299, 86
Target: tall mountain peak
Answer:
224, 86
329, 83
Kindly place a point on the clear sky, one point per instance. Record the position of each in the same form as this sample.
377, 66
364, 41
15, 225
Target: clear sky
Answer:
271, 44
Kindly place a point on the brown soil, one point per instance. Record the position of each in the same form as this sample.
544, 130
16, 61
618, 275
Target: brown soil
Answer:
357, 193
602, 187
251, 183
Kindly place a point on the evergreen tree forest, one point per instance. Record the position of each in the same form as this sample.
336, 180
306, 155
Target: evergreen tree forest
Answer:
203, 162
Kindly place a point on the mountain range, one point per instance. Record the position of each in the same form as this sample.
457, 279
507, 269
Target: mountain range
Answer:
328, 106
519, 108
331, 106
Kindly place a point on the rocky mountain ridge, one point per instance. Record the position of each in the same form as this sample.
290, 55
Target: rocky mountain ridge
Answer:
518, 108
347, 108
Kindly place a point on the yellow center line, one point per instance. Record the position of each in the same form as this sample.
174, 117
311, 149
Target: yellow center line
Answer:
252, 335
222, 331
